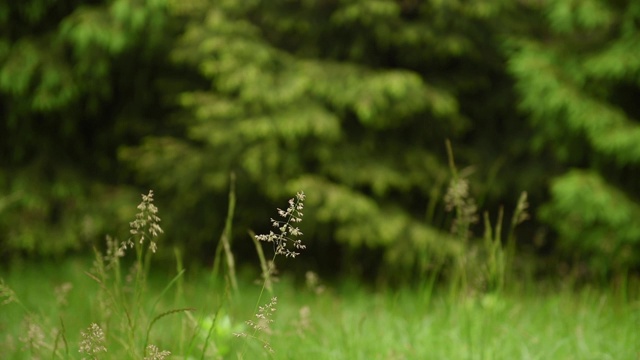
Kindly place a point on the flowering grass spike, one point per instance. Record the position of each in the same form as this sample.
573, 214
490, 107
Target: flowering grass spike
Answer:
285, 241
93, 341
147, 222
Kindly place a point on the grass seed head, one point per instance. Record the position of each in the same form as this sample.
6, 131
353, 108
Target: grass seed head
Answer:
34, 337
147, 222
153, 353
285, 240
93, 341
7, 295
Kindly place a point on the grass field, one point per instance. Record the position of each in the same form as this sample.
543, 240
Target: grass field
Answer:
319, 321
122, 305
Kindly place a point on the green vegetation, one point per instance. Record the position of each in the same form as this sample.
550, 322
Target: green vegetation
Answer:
575, 80
107, 313
349, 100
471, 168
341, 322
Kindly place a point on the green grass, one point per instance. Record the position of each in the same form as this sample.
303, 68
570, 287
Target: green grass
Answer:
346, 321
121, 305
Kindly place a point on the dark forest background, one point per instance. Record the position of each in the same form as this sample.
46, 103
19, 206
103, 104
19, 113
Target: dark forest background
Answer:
350, 101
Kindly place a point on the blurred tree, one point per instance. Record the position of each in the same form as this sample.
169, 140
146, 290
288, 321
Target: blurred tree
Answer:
578, 74
76, 81
349, 101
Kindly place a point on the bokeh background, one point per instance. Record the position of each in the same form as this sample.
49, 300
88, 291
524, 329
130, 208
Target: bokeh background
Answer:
351, 101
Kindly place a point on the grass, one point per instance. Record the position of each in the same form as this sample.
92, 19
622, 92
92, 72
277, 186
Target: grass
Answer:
347, 321
120, 307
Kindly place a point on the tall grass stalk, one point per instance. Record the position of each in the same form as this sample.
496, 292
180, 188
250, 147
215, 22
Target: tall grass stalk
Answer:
156, 318
122, 302
487, 268
495, 265
520, 215
264, 265
459, 201
285, 242
225, 240
61, 334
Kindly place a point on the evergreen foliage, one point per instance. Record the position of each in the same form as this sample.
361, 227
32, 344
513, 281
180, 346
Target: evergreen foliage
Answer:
595, 220
351, 105
579, 81
75, 82
348, 100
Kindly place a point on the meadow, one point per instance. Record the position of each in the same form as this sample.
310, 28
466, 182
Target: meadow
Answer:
120, 305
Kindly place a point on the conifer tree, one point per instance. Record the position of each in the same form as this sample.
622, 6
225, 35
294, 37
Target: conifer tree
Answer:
578, 76
75, 83
350, 101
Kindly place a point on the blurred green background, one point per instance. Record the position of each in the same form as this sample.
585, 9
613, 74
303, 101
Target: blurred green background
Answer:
348, 100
